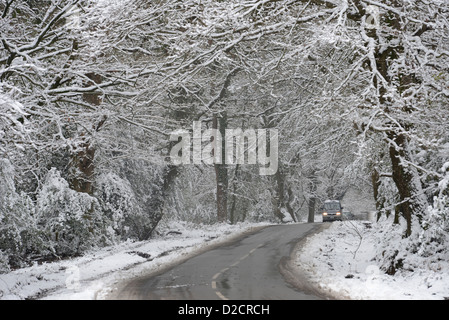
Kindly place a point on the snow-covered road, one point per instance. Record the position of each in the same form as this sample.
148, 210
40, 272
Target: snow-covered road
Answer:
251, 268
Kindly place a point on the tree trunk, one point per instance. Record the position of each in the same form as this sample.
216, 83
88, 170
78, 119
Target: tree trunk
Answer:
158, 198
84, 165
288, 204
221, 170
405, 175
312, 205
83, 161
406, 178
375, 180
281, 201
279, 197
312, 200
232, 217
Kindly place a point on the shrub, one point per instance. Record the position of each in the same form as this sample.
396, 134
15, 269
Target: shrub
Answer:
72, 221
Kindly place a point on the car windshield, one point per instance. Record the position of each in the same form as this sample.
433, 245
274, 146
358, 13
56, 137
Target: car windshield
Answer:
332, 206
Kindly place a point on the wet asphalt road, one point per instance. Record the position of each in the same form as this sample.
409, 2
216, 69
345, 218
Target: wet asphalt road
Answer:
255, 267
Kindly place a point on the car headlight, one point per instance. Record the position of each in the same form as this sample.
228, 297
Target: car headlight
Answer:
338, 213
324, 213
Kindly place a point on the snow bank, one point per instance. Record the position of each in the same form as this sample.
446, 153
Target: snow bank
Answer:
341, 262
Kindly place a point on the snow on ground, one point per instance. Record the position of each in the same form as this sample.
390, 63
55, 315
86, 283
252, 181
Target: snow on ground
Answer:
93, 275
339, 261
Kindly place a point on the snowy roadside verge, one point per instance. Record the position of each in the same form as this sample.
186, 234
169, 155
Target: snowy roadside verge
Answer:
94, 275
338, 261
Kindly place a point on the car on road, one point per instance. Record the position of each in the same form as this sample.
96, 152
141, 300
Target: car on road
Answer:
332, 211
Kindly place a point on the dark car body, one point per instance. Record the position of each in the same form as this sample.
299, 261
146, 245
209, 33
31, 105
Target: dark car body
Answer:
332, 211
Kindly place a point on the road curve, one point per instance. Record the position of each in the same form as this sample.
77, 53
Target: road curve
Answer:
252, 268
